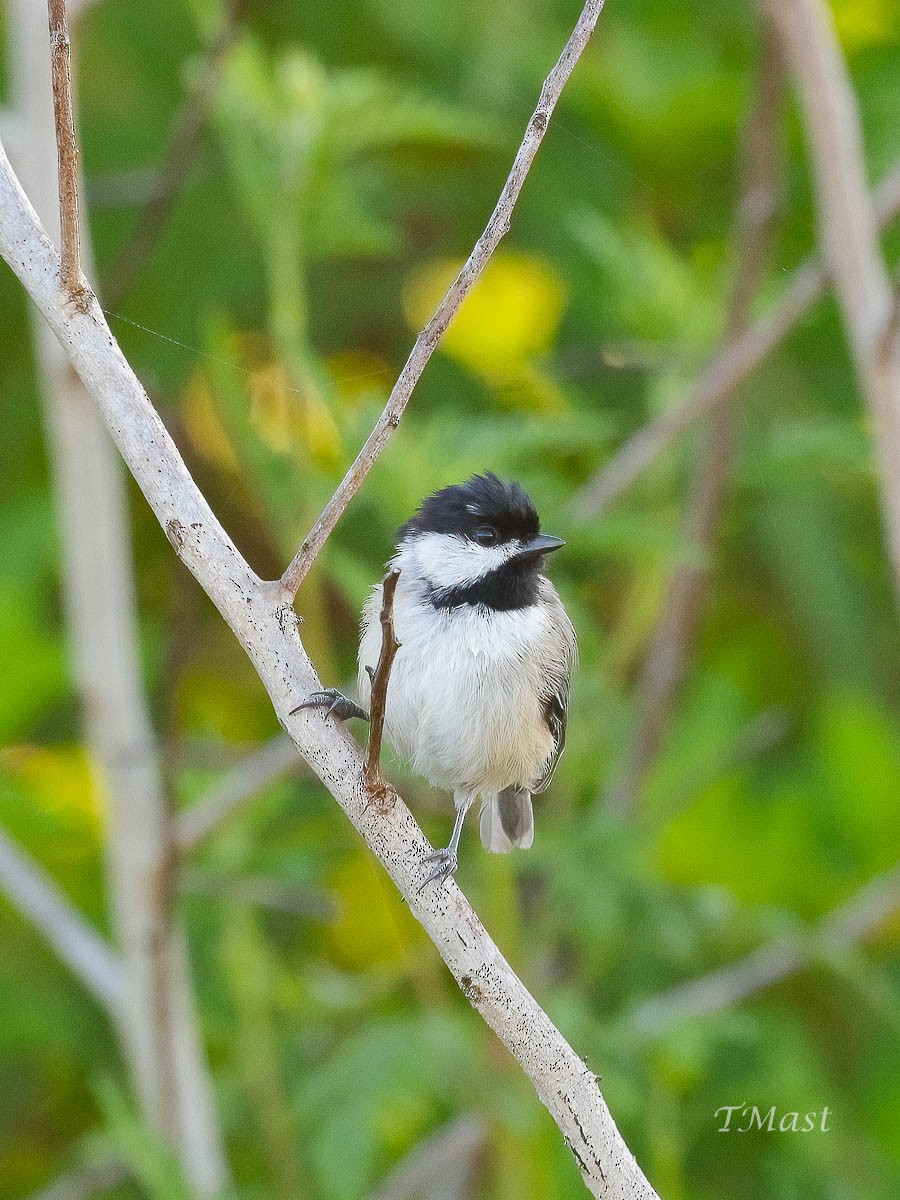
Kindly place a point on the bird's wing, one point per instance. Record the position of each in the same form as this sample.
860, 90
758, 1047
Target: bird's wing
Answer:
556, 706
556, 695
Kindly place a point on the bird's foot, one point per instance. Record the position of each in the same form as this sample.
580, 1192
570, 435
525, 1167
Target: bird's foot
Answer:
334, 702
445, 865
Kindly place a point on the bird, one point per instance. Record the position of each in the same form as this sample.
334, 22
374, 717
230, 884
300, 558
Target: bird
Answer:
478, 694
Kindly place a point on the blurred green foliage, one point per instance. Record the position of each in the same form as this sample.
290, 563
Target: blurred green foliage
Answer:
354, 153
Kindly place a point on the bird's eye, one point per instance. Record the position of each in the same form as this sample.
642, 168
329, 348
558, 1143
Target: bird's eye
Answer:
486, 535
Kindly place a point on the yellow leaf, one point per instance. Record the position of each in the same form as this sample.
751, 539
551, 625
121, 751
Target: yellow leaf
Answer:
60, 780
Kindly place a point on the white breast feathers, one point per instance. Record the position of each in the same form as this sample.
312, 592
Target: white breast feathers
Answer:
468, 693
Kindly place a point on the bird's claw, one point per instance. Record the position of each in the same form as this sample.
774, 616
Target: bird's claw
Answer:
444, 868
334, 702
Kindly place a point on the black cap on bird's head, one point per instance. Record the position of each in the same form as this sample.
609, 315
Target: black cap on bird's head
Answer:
484, 509
486, 512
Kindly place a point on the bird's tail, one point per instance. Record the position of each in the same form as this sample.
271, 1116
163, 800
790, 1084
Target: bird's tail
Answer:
507, 821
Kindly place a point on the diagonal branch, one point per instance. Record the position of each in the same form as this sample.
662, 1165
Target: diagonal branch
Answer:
849, 233
263, 620
728, 369
853, 921
80, 947
496, 228
683, 603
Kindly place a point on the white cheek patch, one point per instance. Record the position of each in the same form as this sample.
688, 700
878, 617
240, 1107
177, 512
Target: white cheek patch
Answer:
446, 560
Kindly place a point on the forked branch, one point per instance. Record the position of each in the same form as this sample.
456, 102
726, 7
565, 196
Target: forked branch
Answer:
494, 231
264, 622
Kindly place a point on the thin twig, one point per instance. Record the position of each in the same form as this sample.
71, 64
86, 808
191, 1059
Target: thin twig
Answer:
380, 677
261, 617
494, 231
87, 955
683, 603
66, 146
851, 922
244, 781
849, 233
728, 369
184, 141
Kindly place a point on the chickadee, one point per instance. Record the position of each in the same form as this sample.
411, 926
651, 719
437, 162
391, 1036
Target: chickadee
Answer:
479, 689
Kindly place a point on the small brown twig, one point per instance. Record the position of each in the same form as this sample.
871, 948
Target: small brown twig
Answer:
66, 146
494, 231
380, 676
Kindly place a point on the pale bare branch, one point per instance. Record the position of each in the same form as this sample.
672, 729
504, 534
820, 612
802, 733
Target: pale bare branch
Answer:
262, 618
232, 793
849, 233
850, 923
726, 372
496, 228
89, 957
682, 604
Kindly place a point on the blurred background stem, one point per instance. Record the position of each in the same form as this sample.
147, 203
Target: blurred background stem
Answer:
160, 1030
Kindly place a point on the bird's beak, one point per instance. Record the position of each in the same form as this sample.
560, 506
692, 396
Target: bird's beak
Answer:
539, 546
